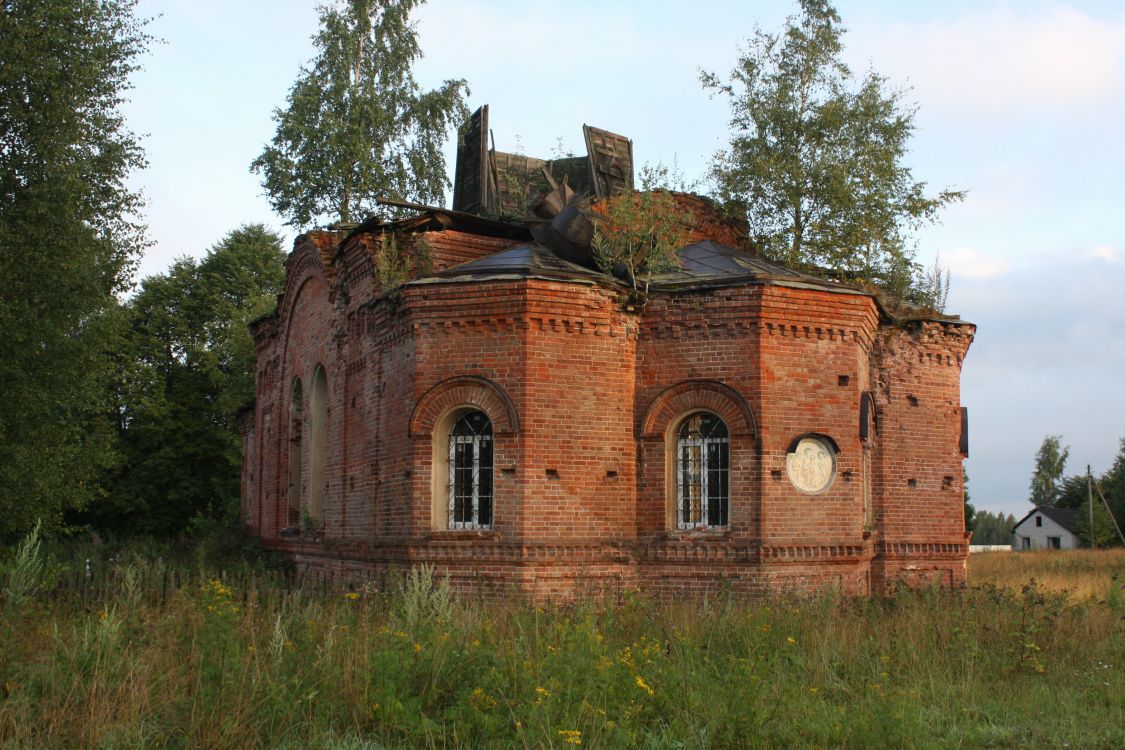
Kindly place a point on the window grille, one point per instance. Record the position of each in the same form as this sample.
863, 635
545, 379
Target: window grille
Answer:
470, 472
702, 472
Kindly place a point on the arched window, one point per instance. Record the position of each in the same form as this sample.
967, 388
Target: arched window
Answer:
293, 515
702, 471
470, 472
318, 443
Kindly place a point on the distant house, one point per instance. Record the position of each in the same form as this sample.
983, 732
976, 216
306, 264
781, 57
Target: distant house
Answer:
1046, 528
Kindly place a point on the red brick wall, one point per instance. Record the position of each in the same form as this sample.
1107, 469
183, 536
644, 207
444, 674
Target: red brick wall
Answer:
563, 355
917, 477
291, 349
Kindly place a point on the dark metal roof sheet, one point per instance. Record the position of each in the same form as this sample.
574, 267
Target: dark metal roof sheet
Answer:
529, 259
707, 263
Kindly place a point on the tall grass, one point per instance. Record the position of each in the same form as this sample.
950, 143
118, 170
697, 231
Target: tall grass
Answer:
213, 665
1080, 574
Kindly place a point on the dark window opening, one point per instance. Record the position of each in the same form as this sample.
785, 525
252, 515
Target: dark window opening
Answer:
702, 472
470, 472
1039, 520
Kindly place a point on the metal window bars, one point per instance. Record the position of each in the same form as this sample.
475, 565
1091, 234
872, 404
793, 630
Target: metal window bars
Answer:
702, 472
470, 472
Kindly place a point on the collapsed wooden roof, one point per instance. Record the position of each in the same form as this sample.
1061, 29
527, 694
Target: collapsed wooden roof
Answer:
499, 184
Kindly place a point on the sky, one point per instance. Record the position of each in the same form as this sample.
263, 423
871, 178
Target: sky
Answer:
1019, 103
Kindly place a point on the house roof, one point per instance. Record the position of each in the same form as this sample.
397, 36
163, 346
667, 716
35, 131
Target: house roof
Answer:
1065, 517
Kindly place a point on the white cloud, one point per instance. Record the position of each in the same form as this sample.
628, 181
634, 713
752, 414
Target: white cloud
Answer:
974, 264
1108, 253
997, 63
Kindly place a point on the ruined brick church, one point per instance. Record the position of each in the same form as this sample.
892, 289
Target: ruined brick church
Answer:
465, 388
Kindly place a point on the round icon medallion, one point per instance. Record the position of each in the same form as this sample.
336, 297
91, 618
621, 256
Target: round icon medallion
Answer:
812, 466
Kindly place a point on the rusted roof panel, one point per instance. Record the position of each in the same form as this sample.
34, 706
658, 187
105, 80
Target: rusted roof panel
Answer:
471, 184
500, 184
520, 183
611, 161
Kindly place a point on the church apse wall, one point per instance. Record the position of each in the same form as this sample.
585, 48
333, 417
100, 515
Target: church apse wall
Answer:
525, 422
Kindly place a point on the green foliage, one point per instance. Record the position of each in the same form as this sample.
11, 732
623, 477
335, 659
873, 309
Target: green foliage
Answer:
817, 163
187, 368
992, 528
357, 126
1103, 535
661, 176
931, 287
1112, 484
639, 232
146, 664
1050, 462
1072, 492
400, 259
970, 510
68, 242
25, 572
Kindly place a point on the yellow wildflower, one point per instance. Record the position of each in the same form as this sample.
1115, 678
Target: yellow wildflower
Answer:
351, 595
571, 736
643, 685
482, 700
791, 640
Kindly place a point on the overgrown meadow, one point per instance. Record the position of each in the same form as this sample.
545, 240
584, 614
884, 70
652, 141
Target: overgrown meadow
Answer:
148, 659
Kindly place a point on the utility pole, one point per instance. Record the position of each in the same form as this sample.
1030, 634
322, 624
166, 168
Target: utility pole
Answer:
1090, 502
